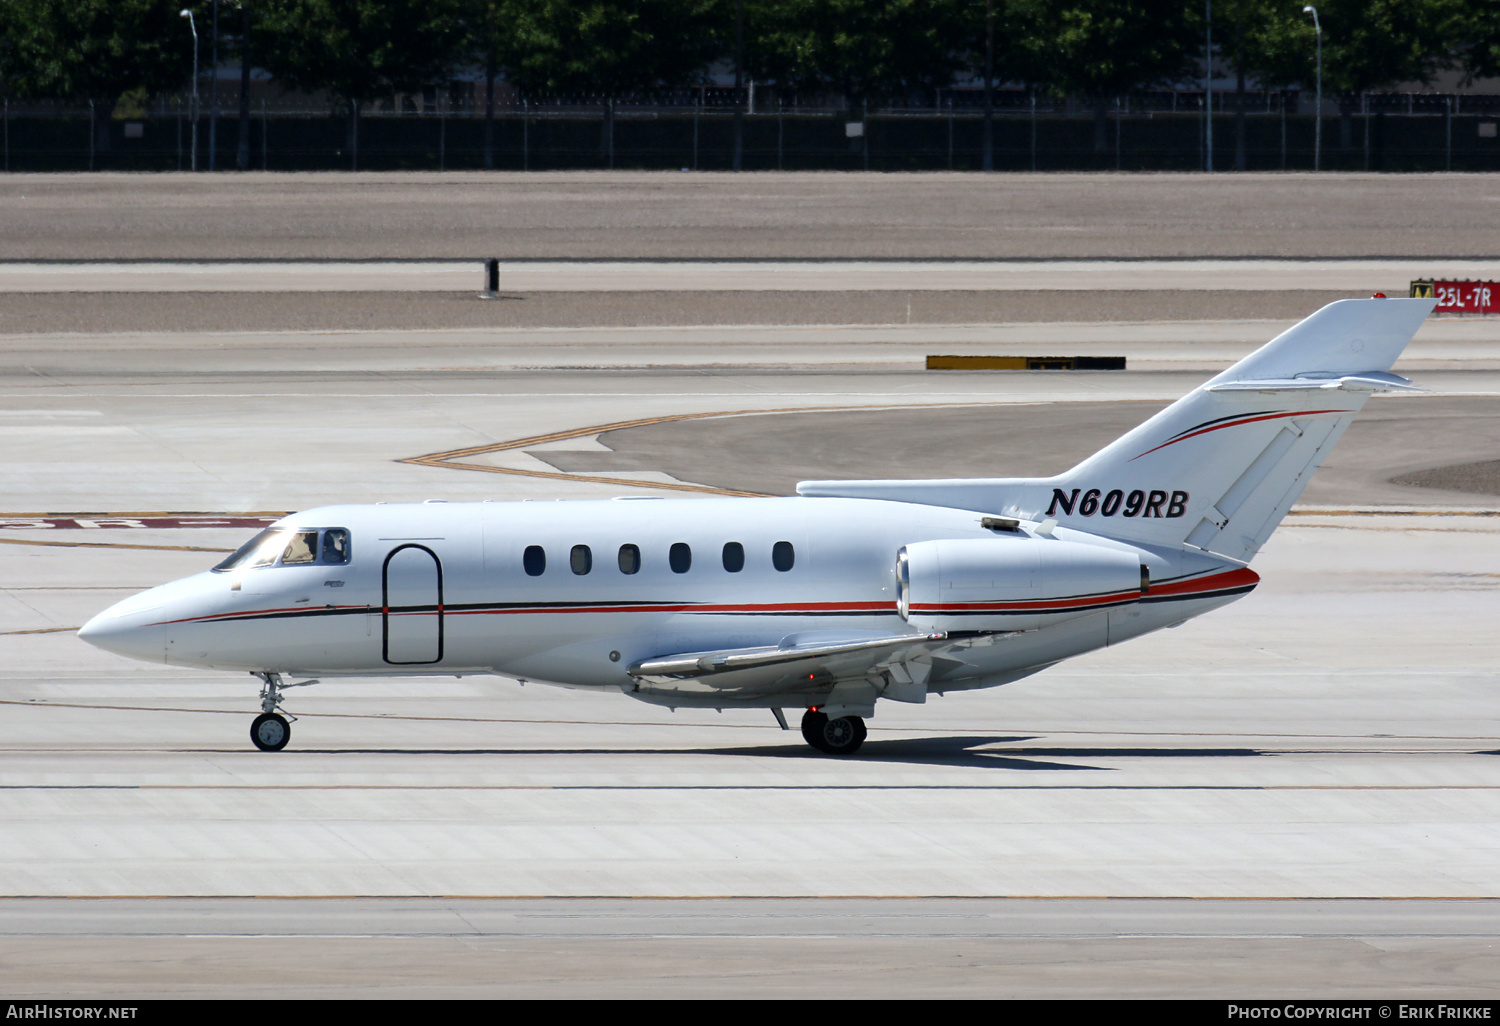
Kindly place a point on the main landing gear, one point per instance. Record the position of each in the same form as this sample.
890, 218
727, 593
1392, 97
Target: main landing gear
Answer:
841, 735
271, 730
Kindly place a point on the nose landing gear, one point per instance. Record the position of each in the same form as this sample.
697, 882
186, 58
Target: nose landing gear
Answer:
271, 731
841, 735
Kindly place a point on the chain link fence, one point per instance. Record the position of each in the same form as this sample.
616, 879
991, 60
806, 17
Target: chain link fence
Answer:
1157, 132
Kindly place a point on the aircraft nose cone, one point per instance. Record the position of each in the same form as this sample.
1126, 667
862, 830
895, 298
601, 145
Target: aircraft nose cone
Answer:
127, 630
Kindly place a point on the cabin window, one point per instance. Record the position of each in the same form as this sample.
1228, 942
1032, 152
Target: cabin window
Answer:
534, 560
783, 556
581, 560
630, 559
680, 558
734, 557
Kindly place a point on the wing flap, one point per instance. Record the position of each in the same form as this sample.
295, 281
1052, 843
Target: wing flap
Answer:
694, 665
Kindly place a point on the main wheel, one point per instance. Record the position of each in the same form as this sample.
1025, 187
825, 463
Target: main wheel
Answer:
841, 735
270, 732
812, 728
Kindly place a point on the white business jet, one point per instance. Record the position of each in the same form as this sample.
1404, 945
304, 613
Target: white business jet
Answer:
849, 593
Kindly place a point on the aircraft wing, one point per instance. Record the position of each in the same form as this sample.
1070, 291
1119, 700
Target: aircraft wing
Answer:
897, 666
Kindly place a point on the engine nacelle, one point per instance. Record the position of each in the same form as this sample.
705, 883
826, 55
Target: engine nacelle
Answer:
1011, 583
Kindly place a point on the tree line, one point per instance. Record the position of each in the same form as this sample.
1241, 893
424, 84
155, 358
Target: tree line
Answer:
358, 51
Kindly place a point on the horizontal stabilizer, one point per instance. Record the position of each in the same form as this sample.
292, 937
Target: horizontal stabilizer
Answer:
1367, 381
1350, 337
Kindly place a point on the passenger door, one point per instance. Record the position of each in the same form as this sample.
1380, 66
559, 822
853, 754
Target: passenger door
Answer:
412, 606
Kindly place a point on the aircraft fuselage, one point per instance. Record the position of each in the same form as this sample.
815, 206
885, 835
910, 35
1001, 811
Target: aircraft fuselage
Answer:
577, 593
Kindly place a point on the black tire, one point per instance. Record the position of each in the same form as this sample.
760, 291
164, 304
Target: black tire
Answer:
841, 735
812, 729
270, 732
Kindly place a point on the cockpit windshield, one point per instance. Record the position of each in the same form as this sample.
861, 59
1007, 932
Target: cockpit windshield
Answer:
291, 546
302, 548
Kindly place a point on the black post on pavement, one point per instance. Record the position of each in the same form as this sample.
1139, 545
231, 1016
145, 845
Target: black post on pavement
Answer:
491, 279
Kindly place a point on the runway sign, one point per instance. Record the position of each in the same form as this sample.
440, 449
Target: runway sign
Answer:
1462, 297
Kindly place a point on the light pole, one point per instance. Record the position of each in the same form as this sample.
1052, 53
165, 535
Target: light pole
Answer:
193, 108
1318, 125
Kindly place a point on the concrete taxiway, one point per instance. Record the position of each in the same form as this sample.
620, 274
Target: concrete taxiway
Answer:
1330, 736
527, 276
1297, 795
757, 948
774, 216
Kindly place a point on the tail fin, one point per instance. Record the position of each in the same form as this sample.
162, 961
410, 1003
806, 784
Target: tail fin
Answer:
1219, 468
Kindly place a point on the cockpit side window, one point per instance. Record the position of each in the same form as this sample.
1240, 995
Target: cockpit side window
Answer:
335, 546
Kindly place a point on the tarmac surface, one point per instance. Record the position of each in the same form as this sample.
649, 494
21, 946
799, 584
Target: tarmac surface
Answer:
156, 312
781, 216
806, 948
1295, 796
1330, 736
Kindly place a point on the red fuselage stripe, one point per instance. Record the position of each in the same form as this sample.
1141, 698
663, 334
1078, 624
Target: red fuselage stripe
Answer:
1242, 578
1214, 582
1239, 423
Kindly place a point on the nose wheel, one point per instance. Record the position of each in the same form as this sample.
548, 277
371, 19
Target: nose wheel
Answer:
270, 732
841, 735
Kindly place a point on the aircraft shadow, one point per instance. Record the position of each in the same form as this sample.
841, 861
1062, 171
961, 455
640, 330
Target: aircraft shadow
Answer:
934, 751
974, 751
969, 751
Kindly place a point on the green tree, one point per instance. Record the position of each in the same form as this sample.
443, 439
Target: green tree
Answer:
1480, 32
1236, 17
485, 29
610, 47
96, 50
357, 50
1103, 49
1367, 45
864, 49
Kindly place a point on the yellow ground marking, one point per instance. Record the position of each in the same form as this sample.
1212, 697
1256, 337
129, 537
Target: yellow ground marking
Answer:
452, 458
